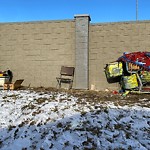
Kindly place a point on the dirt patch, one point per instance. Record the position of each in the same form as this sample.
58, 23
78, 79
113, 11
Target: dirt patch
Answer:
101, 96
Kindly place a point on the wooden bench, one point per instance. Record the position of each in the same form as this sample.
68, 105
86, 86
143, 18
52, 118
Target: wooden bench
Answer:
66, 76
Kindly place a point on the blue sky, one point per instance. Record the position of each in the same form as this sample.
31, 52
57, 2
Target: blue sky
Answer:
99, 10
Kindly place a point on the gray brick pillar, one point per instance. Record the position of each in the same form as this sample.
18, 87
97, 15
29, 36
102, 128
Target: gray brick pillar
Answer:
82, 51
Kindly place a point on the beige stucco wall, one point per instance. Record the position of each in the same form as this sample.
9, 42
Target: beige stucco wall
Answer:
35, 51
109, 41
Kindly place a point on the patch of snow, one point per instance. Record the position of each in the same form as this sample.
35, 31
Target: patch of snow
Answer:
38, 120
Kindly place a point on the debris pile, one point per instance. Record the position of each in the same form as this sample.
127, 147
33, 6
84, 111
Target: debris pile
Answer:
131, 71
5, 77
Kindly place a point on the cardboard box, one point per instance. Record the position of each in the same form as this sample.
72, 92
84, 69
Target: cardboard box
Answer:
13, 86
10, 86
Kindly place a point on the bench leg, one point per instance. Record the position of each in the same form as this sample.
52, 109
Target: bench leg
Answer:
70, 85
58, 84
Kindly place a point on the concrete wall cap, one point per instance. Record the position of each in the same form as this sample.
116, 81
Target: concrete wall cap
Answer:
82, 15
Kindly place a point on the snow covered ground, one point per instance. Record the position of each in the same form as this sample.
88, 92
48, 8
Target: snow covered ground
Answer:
32, 120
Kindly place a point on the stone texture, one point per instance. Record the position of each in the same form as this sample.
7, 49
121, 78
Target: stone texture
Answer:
35, 51
82, 51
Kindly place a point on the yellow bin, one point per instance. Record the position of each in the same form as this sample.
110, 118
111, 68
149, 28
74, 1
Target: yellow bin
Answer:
130, 82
